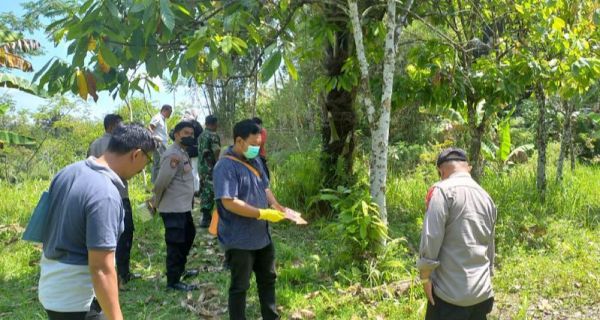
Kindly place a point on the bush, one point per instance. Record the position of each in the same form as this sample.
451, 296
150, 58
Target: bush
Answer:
297, 179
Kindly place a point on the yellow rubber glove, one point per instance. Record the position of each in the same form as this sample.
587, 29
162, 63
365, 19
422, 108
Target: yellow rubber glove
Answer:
271, 215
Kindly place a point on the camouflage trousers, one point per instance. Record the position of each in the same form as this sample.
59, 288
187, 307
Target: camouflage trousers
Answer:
207, 194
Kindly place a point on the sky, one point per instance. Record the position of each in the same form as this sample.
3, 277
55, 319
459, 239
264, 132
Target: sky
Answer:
105, 103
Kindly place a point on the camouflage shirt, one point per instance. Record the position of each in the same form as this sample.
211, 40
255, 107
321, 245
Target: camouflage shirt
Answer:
209, 146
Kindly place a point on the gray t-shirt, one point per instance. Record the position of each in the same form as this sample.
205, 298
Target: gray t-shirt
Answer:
85, 212
233, 180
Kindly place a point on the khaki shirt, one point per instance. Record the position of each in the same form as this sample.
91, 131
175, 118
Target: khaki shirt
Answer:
457, 241
174, 186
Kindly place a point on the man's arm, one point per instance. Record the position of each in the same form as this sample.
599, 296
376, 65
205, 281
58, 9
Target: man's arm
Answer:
492, 248
240, 207
104, 279
432, 237
168, 168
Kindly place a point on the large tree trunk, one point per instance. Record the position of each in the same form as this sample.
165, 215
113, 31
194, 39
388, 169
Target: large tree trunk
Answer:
381, 129
541, 141
339, 123
564, 141
379, 120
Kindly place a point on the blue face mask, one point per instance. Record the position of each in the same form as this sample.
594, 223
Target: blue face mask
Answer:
252, 152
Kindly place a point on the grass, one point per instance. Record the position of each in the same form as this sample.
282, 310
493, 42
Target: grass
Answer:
547, 263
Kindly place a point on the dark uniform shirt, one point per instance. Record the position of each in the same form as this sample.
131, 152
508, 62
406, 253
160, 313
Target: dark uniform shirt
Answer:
234, 180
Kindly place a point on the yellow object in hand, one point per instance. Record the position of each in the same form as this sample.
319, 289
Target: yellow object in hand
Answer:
271, 215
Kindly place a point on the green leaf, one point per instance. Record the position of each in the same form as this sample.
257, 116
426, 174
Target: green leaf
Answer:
108, 56
226, 44
284, 4
519, 8
11, 81
194, 48
290, 67
558, 24
597, 17
112, 8
505, 143
166, 14
183, 9
41, 71
12, 138
270, 66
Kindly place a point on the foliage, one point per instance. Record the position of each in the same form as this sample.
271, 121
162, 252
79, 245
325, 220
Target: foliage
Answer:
587, 136
197, 40
13, 48
358, 227
300, 183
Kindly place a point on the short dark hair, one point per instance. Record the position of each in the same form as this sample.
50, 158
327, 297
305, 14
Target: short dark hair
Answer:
181, 125
130, 137
111, 120
210, 120
257, 120
245, 128
166, 107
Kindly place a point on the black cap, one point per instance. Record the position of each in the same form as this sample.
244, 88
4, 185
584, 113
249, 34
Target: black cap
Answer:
451, 154
210, 120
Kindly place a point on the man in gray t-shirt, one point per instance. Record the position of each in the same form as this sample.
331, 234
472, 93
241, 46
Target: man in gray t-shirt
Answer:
456, 255
84, 222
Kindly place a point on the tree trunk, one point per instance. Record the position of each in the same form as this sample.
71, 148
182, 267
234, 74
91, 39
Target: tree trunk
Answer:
381, 130
541, 141
339, 123
476, 130
564, 142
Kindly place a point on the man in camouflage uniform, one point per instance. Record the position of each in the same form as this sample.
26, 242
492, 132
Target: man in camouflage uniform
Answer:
209, 148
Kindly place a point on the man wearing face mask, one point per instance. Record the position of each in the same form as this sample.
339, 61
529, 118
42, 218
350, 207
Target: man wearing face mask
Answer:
173, 194
78, 279
243, 199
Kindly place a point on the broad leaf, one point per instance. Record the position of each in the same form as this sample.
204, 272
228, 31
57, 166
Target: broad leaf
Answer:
166, 14
270, 66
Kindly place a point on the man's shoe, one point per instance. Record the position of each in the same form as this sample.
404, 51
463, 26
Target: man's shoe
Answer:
180, 286
190, 273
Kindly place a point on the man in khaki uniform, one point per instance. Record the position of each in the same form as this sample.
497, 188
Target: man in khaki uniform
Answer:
456, 255
174, 192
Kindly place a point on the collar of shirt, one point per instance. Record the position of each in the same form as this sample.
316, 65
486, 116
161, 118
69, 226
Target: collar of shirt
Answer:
460, 174
108, 172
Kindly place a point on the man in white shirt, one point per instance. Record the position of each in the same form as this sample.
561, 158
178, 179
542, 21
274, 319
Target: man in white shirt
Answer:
158, 127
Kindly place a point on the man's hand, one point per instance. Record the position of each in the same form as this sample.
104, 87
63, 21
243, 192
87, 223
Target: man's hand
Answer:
271, 215
428, 288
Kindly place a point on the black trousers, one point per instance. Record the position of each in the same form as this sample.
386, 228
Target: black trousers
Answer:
242, 263
95, 313
123, 252
179, 236
447, 311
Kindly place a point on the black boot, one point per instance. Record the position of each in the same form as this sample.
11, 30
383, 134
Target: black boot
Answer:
206, 218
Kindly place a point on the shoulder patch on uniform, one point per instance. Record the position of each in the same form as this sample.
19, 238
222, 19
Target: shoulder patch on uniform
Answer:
175, 159
428, 197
